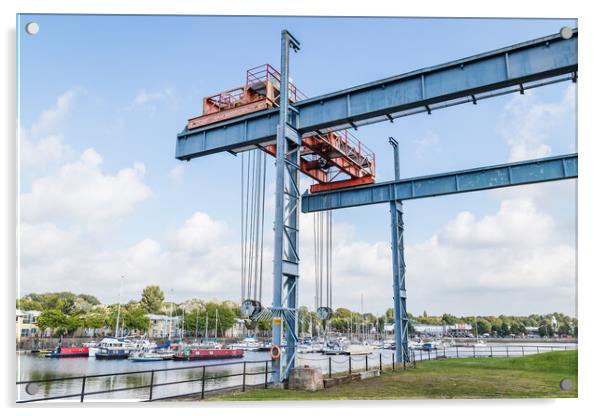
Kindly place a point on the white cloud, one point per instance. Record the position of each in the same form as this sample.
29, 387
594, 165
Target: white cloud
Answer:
198, 234
176, 173
526, 123
428, 142
42, 146
81, 192
195, 261
49, 118
512, 261
504, 228
145, 97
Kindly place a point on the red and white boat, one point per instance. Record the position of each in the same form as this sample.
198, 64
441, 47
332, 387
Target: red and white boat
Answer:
190, 354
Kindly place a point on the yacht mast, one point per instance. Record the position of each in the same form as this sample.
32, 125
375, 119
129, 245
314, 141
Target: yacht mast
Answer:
196, 325
206, 325
119, 309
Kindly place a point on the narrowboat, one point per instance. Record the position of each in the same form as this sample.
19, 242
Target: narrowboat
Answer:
68, 352
191, 354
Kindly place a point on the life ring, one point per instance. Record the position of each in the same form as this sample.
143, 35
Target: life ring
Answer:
275, 352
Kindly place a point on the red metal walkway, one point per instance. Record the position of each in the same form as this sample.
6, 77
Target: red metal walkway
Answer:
335, 160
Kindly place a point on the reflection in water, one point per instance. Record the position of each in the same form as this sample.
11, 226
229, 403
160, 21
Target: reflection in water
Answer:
34, 367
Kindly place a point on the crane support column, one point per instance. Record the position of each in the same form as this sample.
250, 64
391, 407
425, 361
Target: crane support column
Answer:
399, 270
286, 224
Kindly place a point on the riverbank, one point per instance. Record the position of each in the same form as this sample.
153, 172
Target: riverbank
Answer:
536, 376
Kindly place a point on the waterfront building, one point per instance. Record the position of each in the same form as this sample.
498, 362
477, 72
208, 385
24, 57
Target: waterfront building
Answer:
163, 326
238, 330
27, 324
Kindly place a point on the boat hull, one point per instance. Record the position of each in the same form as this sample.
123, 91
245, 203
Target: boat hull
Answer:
52, 355
68, 353
105, 356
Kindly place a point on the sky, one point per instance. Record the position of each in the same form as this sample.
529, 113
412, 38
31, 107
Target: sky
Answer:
101, 99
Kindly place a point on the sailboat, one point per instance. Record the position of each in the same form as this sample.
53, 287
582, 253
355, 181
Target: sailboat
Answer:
478, 342
111, 348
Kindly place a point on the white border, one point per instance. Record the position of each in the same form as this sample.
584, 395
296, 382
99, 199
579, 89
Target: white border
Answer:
589, 187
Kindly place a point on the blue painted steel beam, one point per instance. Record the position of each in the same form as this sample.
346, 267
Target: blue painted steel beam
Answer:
491, 177
463, 80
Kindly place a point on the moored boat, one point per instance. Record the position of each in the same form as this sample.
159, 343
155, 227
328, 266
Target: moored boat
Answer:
247, 344
191, 354
68, 352
112, 349
145, 356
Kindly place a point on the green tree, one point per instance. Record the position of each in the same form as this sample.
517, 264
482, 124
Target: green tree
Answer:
152, 298
135, 318
504, 329
95, 319
67, 305
92, 300
54, 319
449, 319
483, 326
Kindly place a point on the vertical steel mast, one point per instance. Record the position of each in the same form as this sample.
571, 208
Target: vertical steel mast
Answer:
286, 224
399, 268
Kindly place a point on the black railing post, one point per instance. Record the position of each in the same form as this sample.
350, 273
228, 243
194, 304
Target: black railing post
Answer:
349, 363
507, 352
393, 360
474, 351
81, 399
457, 352
244, 375
203, 384
266, 374
429, 354
329, 367
366, 363
404, 361
444, 356
150, 392
380, 361
491, 350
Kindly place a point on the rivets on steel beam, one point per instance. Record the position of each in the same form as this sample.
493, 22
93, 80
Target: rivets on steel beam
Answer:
547, 44
383, 86
461, 66
321, 102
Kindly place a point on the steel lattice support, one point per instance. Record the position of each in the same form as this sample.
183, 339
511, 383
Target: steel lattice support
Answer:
286, 224
399, 269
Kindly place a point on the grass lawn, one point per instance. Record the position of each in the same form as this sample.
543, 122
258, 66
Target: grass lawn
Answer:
534, 376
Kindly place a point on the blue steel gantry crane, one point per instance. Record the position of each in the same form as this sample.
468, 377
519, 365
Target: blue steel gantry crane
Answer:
282, 130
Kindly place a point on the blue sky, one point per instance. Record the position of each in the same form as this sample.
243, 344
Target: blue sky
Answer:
102, 98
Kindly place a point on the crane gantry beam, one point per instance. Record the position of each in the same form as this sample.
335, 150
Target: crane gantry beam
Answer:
479, 179
514, 68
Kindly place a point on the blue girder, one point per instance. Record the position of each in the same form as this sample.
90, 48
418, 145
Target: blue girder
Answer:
516, 67
491, 177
